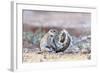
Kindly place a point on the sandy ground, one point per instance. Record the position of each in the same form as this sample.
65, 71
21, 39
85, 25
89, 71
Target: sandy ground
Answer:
50, 57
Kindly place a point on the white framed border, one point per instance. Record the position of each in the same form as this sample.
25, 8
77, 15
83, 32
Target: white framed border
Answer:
16, 60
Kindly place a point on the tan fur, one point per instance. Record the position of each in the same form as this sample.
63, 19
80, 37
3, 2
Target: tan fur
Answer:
44, 40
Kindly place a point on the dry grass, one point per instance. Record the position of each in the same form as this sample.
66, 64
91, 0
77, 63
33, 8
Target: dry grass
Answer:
47, 57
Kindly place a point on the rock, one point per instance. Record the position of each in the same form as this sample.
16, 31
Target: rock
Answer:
73, 50
27, 50
62, 41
